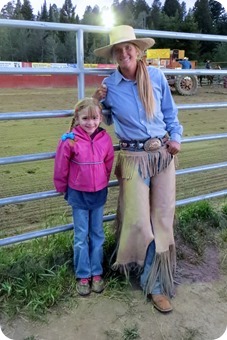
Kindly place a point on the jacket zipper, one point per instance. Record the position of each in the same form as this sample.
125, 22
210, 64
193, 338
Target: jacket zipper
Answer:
92, 147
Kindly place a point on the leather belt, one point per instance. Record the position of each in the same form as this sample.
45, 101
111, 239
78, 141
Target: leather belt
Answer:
150, 144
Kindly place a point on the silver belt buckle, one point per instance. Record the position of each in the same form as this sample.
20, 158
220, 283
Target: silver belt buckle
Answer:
152, 144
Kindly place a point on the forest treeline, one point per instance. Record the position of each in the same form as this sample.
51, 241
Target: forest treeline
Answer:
206, 16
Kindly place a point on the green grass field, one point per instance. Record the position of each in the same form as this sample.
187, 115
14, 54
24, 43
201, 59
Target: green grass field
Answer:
41, 135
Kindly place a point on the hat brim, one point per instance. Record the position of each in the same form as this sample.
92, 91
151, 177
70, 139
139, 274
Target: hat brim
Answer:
142, 43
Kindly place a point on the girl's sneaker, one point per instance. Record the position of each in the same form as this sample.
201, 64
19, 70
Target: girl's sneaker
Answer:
83, 287
97, 284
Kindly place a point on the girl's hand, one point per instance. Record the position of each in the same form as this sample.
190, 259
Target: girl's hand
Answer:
100, 93
173, 147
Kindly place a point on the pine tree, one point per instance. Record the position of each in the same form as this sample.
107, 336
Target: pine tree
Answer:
53, 15
140, 6
17, 11
124, 12
44, 13
67, 15
153, 19
7, 10
191, 47
222, 24
171, 7
27, 10
202, 15
67, 12
217, 10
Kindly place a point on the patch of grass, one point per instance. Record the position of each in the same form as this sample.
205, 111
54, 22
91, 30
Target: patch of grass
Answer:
36, 275
32, 171
223, 219
195, 222
52, 220
131, 333
110, 242
117, 283
223, 248
201, 211
223, 236
191, 334
224, 209
118, 288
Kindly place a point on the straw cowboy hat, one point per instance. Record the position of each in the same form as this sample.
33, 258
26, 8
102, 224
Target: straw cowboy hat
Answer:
122, 34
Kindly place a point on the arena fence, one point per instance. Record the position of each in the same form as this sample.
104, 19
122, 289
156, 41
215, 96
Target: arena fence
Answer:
80, 71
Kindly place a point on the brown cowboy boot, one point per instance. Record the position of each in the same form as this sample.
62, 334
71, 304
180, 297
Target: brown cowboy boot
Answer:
161, 303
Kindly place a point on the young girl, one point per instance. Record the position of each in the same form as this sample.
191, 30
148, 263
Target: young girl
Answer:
83, 164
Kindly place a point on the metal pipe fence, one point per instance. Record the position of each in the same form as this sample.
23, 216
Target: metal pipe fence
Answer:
80, 71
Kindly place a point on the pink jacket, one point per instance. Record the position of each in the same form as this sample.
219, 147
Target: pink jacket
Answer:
83, 164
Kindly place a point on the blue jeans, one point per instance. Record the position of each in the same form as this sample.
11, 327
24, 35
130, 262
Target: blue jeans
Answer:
147, 268
149, 260
88, 242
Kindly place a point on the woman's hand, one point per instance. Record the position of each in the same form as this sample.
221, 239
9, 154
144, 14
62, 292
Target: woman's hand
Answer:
100, 93
173, 147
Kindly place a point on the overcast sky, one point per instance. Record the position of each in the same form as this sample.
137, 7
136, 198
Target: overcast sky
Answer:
81, 5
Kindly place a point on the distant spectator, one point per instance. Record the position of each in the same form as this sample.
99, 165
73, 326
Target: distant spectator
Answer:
185, 63
208, 64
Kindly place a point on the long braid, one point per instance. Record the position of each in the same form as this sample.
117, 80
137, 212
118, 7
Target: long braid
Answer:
145, 88
72, 124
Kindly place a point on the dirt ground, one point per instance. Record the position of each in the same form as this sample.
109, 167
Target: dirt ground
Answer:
200, 312
200, 307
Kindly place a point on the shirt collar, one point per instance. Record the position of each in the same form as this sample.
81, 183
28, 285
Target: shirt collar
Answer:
119, 77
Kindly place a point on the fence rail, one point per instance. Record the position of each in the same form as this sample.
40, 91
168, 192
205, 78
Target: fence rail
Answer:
80, 71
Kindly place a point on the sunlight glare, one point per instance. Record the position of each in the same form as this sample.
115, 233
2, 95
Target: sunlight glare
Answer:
107, 18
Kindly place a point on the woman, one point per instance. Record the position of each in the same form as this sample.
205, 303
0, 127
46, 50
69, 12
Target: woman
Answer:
145, 120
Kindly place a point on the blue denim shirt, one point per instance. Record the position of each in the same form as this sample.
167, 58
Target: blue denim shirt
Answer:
128, 113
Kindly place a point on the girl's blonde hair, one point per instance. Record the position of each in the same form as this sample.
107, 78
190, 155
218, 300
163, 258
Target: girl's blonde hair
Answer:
88, 103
